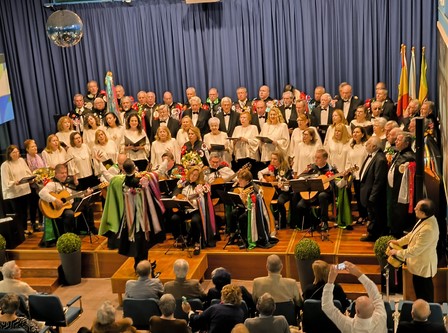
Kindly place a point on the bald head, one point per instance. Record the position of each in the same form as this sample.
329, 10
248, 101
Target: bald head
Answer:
420, 310
274, 264
364, 307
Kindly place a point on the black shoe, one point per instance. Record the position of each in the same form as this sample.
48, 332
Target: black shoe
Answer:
349, 227
368, 238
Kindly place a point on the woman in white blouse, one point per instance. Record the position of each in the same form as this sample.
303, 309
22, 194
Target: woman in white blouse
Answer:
337, 118
91, 124
296, 136
275, 129
182, 134
244, 142
356, 156
135, 143
104, 150
338, 147
54, 154
361, 115
217, 137
65, 128
162, 144
305, 151
14, 191
80, 167
114, 130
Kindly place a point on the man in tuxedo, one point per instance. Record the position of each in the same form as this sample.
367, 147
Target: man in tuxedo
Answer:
213, 101
164, 120
259, 118
120, 93
243, 103
228, 118
263, 94
318, 92
151, 108
348, 103
420, 322
288, 110
93, 91
388, 108
322, 115
198, 115
373, 189
78, 112
189, 92
126, 108
174, 109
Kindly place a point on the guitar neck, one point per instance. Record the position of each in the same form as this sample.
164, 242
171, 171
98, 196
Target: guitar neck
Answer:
77, 194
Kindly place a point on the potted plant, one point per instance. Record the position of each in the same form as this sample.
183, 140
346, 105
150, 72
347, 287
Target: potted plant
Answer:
69, 248
2, 250
380, 248
395, 275
306, 251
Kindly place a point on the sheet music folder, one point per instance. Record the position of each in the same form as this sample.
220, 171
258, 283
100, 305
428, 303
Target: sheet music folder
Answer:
176, 203
167, 185
231, 198
306, 185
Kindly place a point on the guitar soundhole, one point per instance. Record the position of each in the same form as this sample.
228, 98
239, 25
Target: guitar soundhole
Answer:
63, 200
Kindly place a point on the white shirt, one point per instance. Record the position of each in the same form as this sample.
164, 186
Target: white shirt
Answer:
356, 156
337, 154
54, 158
181, 137
278, 132
219, 139
65, 137
245, 149
81, 164
158, 148
368, 161
297, 137
303, 156
13, 171
134, 136
115, 134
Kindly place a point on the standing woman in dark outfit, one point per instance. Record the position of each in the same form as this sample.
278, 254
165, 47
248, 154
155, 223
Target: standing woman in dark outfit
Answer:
135, 143
195, 144
12, 171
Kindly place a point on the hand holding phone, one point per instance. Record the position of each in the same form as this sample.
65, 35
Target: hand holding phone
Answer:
341, 266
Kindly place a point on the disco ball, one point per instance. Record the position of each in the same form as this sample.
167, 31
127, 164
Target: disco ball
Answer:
64, 28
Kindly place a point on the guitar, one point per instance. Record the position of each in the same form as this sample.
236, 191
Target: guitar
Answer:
50, 210
221, 180
326, 182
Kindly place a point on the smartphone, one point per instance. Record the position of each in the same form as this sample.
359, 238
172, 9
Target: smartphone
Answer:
184, 299
341, 266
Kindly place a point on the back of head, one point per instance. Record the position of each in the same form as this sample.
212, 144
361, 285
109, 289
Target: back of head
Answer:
266, 304
274, 264
9, 269
364, 307
143, 268
420, 310
9, 303
128, 166
221, 278
239, 328
320, 270
106, 313
231, 294
180, 268
167, 305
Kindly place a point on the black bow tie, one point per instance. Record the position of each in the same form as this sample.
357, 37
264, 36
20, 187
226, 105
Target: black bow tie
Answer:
261, 117
288, 107
162, 121
226, 114
346, 101
195, 112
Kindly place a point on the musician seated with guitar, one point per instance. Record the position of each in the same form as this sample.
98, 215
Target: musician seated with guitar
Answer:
169, 169
279, 173
219, 171
202, 226
53, 201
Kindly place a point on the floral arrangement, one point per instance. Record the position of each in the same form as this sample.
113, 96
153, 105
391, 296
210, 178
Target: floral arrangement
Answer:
140, 108
44, 176
390, 155
191, 158
176, 111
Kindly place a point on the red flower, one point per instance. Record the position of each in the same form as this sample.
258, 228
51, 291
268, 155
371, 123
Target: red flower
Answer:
135, 106
253, 198
183, 150
224, 164
367, 103
205, 106
271, 168
329, 174
179, 106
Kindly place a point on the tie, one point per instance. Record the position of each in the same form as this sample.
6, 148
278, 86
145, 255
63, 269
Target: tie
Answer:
226, 114
364, 165
261, 117
195, 112
346, 101
162, 121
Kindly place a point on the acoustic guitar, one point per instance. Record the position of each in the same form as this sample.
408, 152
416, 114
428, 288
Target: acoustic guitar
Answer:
326, 182
49, 209
221, 180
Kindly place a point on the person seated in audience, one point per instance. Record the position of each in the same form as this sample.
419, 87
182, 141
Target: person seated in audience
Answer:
65, 128
370, 311
281, 289
240, 328
9, 319
314, 291
181, 286
53, 154
220, 278
105, 321
166, 323
218, 318
267, 322
420, 320
144, 286
11, 280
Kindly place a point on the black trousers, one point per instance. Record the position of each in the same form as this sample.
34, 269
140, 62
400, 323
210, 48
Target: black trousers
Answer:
423, 288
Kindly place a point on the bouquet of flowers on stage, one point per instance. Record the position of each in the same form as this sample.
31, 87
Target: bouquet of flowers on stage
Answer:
191, 158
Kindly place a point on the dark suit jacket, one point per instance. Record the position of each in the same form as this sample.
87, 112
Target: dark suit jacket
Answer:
256, 122
182, 287
233, 122
374, 181
420, 327
292, 123
203, 118
354, 103
149, 117
173, 126
389, 111
315, 116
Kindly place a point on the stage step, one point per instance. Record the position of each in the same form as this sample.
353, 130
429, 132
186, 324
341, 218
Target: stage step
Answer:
353, 291
39, 268
44, 285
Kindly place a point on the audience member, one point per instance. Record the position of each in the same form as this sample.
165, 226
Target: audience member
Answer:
11, 280
9, 319
420, 322
144, 286
267, 322
105, 321
370, 312
181, 286
166, 323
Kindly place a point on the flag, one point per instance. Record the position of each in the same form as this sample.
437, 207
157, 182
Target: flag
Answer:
403, 87
111, 96
423, 91
412, 78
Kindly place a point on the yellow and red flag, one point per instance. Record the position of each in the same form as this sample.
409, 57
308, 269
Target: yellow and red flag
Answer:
403, 87
423, 90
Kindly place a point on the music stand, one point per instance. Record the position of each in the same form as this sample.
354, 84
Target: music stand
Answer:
233, 199
167, 186
85, 202
180, 205
308, 185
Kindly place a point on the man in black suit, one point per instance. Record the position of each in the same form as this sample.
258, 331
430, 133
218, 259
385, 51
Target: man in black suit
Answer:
318, 92
213, 101
322, 116
263, 94
189, 92
398, 217
259, 118
347, 102
228, 119
243, 103
164, 120
388, 107
420, 323
174, 109
288, 110
198, 115
151, 108
373, 189
78, 112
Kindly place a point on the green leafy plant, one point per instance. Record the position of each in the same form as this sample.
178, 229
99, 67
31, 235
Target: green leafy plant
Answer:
380, 246
68, 243
2, 243
307, 249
